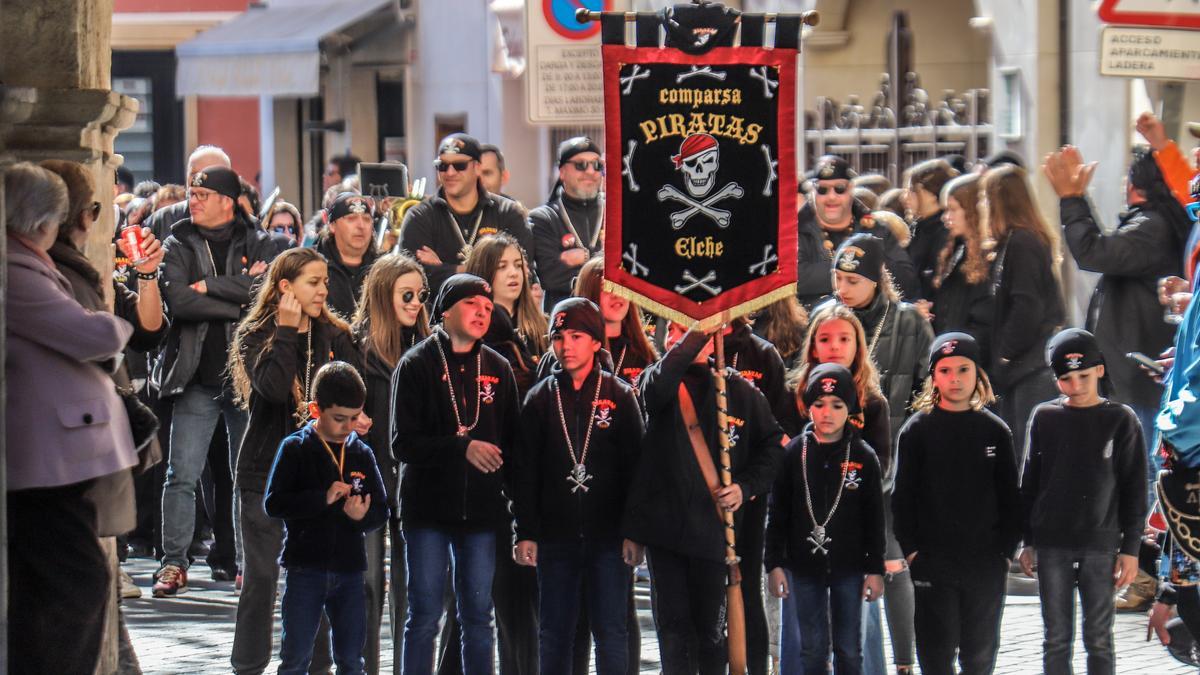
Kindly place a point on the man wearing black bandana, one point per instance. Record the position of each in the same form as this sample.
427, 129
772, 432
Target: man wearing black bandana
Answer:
212, 259
830, 216
567, 228
440, 231
348, 244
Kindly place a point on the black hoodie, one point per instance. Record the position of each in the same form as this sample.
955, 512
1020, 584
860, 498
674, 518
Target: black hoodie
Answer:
345, 281
546, 508
551, 237
440, 488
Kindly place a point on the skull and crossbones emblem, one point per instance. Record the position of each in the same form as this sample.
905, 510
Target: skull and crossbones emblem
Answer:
698, 160
1074, 361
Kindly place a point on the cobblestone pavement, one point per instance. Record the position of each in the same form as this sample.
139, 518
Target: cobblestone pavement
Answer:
194, 632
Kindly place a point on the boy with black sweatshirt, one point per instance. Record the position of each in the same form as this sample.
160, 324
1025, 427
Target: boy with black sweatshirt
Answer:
1084, 496
826, 524
328, 500
956, 509
581, 432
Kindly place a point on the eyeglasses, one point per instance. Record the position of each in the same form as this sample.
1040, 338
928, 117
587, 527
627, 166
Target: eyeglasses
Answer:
1193, 211
421, 295
199, 196
595, 164
839, 189
459, 166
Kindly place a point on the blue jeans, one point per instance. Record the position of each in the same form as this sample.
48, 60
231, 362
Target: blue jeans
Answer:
342, 597
193, 421
874, 661
561, 570
825, 606
1147, 416
471, 556
1060, 570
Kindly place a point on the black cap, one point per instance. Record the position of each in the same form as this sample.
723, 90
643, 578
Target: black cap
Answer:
460, 287
460, 144
953, 344
1004, 157
347, 203
577, 314
220, 180
832, 167
574, 146
832, 379
1073, 349
861, 254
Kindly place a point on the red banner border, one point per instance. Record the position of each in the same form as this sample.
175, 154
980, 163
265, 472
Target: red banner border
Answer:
616, 56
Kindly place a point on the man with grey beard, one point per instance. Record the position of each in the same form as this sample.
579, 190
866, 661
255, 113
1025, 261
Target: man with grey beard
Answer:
567, 229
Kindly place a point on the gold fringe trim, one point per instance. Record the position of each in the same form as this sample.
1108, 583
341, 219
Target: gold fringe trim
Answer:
708, 323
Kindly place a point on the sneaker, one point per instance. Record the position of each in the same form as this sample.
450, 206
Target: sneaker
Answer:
224, 573
129, 590
170, 581
1139, 595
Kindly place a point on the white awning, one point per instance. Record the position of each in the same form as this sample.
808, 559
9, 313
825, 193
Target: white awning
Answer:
267, 51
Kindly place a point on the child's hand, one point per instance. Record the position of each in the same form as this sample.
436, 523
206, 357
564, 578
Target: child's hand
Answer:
632, 553
777, 583
356, 507
872, 587
525, 553
1126, 570
336, 491
1027, 560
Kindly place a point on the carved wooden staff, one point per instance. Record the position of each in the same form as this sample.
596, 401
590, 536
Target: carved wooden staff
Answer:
735, 610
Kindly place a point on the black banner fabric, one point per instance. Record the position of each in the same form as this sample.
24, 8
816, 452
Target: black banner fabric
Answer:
701, 215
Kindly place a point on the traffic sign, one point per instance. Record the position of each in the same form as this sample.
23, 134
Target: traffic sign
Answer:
560, 16
1166, 13
1149, 53
563, 81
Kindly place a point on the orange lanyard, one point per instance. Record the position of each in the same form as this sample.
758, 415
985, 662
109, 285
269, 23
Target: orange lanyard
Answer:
340, 463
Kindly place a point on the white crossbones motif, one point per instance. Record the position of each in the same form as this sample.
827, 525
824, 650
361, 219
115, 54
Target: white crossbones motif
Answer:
719, 216
760, 268
635, 268
705, 71
627, 167
760, 73
771, 175
634, 75
693, 283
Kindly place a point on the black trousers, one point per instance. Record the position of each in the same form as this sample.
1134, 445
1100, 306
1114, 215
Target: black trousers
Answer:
515, 597
959, 604
689, 612
57, 581
751, 538
582, 656
218, 503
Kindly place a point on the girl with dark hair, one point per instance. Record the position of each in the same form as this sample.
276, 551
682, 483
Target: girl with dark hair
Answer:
286, 337
518, 329
391, 318
624, 324
962, 296
783, 323
922, 186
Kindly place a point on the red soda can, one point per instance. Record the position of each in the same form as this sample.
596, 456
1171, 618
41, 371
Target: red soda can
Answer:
132, 236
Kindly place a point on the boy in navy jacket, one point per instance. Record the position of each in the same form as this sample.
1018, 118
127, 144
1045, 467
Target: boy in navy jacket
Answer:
325, 486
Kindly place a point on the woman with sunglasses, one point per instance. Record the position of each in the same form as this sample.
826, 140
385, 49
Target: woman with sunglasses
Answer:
831, 215
391, 318
284, 219
567, 228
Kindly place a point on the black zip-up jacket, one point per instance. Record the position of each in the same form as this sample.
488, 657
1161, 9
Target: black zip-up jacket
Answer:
502, 336
192, 313
959, 305
901, 355
1085, 479
758, 363
274, 369
928, 238
669, 503
551, 237
856, 528
546, 509
1124, 313
431, 224
1028, 308
814, 277
439, 487
345, 284
377, 375
956, 489
320, 536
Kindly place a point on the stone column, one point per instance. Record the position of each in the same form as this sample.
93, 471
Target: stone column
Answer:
58, 52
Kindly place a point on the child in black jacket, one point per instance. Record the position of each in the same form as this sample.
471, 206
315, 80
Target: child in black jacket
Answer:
956, 510
1084, 495
328, 499
826, 524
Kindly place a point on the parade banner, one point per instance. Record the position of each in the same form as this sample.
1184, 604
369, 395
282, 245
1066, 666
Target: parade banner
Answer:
701, 217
